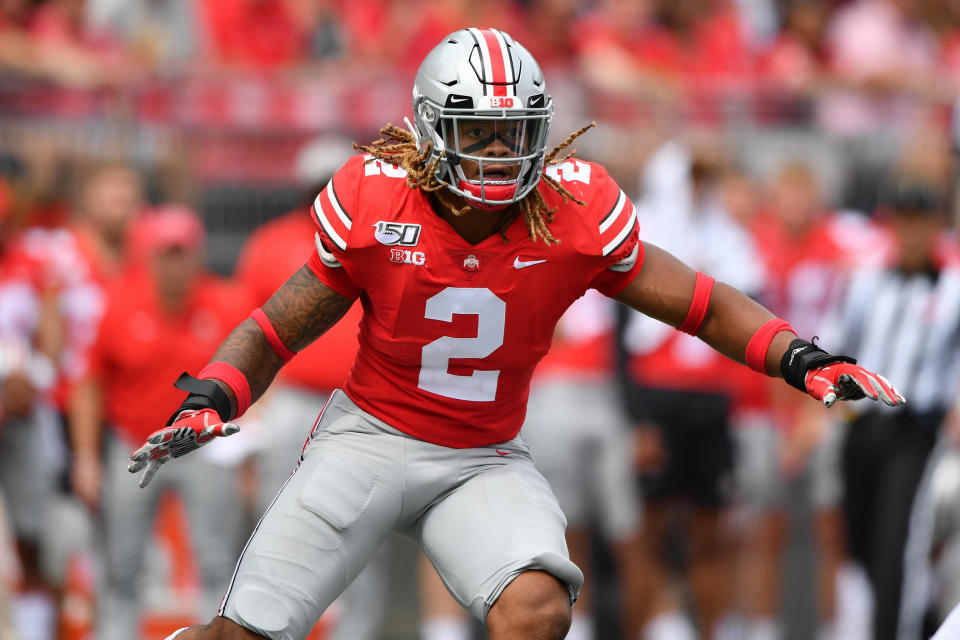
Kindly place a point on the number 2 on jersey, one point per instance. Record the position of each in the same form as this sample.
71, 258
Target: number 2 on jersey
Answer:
479, 386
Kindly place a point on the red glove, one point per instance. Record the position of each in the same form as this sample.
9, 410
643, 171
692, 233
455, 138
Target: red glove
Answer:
190, 430
846, 381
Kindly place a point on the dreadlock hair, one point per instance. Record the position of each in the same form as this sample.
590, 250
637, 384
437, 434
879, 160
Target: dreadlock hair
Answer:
398, 146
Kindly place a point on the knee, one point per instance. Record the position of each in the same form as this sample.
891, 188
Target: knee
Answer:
534, 605
219, 629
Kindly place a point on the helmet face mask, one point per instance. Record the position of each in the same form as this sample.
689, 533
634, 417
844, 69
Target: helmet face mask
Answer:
480, 98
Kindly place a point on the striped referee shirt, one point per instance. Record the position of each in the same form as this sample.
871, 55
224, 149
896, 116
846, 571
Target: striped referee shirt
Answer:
907, 327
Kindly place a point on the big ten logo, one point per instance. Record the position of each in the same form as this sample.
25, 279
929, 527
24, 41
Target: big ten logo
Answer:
501, 102
397, 233
569, 171
405, 256
374, 167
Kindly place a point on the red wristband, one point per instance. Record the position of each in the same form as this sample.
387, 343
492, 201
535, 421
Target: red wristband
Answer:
281, 350
698, 306
756, 355
233, 378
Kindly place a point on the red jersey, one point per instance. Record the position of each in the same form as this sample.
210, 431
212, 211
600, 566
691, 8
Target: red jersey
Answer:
140, 348
451, 331
273, 253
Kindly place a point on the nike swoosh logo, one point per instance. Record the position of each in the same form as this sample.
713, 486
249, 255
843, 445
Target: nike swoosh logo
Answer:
503, 453
521, 264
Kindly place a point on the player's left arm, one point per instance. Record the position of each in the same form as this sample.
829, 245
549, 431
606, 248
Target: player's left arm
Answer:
742, 329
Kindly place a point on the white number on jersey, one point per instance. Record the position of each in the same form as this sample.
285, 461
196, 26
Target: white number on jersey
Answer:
374, 167
570, 170
479, 386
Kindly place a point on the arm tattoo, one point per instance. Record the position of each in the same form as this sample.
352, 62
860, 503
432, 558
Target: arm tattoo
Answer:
300, 311
304, 308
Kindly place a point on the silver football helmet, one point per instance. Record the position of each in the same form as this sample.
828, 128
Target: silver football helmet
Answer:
480, 98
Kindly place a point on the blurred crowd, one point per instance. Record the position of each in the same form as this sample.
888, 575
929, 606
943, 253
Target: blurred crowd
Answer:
686, 46
157, 161
776, 58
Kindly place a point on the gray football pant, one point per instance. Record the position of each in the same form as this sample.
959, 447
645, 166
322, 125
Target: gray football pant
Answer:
482, 515
288, 412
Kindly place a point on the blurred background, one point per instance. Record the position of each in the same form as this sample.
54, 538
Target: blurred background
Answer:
801, 150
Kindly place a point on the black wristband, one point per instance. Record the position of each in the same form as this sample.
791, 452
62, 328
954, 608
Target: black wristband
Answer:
204, 394
801, 356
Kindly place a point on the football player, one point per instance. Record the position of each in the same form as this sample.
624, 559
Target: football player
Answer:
465, 240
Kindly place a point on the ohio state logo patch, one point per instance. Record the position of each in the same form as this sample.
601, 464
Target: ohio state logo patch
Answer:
471, 262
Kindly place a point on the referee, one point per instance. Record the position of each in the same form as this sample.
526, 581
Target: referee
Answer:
902, 318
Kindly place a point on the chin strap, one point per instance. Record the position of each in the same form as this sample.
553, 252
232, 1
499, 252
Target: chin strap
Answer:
413, 130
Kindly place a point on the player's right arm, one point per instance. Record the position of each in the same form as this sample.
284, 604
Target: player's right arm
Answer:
300, 311
242, 368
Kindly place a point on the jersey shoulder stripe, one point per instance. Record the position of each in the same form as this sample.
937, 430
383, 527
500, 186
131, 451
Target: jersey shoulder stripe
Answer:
617, 209
332, 216
336, 232
617, 225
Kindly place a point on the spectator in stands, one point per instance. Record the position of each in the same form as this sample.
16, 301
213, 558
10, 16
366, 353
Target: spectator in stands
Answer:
29, 347
944, 20
81, 260
792, 67
548, 33
253, 34
15, 54
611, 42
88, 255
157, 318
159, 34
69, 51
883, 66
904, 316
326, 35
682, 54
680, 397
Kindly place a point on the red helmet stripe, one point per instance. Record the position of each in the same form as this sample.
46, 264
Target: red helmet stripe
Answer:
497, 56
